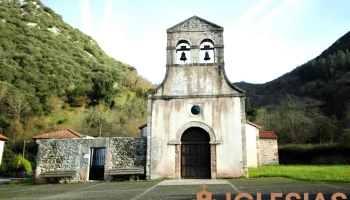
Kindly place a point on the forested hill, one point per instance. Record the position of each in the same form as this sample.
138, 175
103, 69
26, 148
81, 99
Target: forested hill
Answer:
325, 80
45, 64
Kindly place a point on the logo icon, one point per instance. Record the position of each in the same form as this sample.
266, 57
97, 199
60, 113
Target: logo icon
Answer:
204, 195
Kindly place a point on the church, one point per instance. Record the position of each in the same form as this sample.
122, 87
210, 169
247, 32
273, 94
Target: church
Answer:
196, 116
196, 125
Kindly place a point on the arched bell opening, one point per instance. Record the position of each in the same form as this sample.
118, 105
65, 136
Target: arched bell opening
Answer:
183, 52
206, 53
195, 154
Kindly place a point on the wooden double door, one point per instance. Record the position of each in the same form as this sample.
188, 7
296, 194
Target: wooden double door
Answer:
195, 154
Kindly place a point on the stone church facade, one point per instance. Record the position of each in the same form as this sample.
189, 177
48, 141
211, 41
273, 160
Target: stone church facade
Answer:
196, 121
196, 126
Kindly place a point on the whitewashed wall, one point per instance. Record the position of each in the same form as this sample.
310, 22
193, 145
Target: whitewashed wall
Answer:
221, 114
252, 133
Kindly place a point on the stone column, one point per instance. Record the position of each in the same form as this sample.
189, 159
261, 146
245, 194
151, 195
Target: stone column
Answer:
177, 161
38, 178
244, 146
194, 54
108, 162
149, 136
213, 160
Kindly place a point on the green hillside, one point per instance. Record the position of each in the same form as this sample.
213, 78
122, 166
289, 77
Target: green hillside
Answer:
50, 71
322, 85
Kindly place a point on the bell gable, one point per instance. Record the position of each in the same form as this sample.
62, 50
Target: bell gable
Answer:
195, 24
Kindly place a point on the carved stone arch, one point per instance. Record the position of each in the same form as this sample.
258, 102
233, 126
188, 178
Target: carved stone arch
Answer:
207, 37
206, 40
183, 40
177, 145
202, 125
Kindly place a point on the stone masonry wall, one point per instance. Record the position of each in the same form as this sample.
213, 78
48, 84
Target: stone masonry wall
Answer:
74, 154
128, 152
55, 155
268, 152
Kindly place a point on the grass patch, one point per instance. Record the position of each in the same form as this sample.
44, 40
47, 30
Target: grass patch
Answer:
327, 173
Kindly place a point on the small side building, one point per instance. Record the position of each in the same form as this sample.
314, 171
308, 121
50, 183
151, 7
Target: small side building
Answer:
268, 148
2, 145
262, 147
89, 158
252, 142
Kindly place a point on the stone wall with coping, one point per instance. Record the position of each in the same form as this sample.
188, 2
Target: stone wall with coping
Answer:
268, 152
74, 154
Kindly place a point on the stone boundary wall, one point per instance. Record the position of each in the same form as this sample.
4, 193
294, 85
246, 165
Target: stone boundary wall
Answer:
74, 154
128, 152
268, 152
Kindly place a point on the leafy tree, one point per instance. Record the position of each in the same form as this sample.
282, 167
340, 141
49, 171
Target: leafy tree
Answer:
95, 122
324, 129
251, 112
103, 89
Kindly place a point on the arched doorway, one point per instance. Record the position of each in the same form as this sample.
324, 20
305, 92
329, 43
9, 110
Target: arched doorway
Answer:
195, 154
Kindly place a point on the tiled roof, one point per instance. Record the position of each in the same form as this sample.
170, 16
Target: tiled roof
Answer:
3, 138
267, 135
61, 134
142, 126
252, 124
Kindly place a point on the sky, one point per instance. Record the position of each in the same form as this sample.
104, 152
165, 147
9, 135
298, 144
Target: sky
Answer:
263, 39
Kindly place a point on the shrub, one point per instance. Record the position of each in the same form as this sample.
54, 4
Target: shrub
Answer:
314, 154
345, 137
21, 164
7, 159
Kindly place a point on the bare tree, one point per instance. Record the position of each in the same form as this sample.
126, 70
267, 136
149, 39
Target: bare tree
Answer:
3, 90
296, 120
17, 105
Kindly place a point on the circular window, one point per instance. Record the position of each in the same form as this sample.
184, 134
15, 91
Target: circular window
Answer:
195, 110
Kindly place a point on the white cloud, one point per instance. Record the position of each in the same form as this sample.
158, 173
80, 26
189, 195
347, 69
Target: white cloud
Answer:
86, 16
240, 22
246, 51
272, 15
106, 17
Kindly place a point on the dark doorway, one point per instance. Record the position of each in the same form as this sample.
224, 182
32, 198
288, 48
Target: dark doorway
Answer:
195, 154
97, 163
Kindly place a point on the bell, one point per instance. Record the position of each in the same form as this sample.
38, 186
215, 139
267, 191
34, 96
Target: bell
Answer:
206, 57
183, 56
